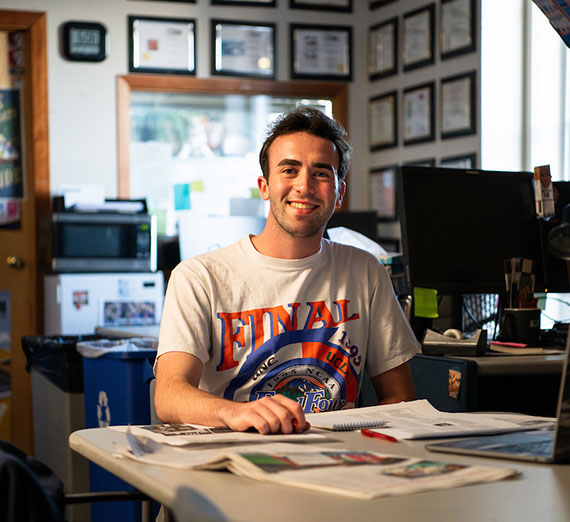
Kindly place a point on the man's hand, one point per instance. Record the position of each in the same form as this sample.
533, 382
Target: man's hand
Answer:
276, 414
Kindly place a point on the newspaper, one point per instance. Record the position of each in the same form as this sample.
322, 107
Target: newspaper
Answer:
420, 420
186, 434
359, 474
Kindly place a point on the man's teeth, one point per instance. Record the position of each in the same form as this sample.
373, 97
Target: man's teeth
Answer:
302, 205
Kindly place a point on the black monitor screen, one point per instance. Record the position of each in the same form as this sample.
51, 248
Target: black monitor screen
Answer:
458, 226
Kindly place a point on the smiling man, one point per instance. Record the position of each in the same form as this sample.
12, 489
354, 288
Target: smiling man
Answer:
256, 334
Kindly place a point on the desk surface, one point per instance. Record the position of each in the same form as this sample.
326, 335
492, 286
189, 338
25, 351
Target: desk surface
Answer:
540, 493
515, 364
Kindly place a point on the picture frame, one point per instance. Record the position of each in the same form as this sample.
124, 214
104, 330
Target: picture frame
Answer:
258, 3
242, 49
426, 162
418, 38
383, 192
344, 6
383, 49
382, 121
375, 4
456, 28
321, 52
162, 45
460, 161
457, 105
418, 114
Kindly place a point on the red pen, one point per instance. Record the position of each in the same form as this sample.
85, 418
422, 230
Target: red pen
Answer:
376, 435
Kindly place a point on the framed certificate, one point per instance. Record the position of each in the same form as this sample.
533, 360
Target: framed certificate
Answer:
382, 121
383, 192
383, 49
375, 4
457, 105
325, 5
161, 45
462, 161
418, 106
267, 3
456, 27
321, 52
418, 38
243, 49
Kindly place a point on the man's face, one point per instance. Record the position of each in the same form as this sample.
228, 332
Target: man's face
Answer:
302, 189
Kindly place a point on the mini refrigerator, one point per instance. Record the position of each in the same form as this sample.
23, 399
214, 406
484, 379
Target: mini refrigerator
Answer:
76, 303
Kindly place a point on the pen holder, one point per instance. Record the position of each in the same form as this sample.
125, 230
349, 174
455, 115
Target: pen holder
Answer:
520, 325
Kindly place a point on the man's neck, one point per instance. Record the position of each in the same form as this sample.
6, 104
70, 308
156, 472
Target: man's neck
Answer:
288, 247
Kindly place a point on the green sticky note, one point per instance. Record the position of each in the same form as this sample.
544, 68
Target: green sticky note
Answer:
425, 302
197, 186
182, 196
254, 193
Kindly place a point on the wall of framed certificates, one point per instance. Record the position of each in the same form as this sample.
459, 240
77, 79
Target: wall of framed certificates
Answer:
410, 68
424, 90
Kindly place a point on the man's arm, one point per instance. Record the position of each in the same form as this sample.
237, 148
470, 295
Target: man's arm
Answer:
395, 385
177, 398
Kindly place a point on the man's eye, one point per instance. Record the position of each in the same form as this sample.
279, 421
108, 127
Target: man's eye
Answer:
322, 174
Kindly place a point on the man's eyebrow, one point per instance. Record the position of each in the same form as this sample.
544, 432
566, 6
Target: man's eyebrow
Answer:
288, 161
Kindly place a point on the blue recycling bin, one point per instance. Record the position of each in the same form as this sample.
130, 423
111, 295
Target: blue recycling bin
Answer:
116, 376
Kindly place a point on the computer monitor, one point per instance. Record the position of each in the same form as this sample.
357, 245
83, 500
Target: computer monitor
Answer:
458, 227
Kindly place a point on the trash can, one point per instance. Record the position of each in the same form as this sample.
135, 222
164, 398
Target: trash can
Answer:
116, 376
56, 370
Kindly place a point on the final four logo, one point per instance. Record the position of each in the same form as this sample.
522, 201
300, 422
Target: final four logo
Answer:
309, 366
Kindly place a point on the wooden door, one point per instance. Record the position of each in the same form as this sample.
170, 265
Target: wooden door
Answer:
23, 84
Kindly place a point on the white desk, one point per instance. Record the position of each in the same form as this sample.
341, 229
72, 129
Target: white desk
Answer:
542, 492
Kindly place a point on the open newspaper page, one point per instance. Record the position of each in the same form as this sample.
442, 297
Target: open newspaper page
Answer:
185, 434
359, 474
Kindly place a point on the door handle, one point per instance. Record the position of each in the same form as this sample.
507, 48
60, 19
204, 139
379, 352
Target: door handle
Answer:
15, 262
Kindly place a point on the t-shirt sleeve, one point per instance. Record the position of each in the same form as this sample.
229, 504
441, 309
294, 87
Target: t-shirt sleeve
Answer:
185, 324
391, 340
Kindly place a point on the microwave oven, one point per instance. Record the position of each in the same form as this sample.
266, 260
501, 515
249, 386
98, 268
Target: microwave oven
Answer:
103, 242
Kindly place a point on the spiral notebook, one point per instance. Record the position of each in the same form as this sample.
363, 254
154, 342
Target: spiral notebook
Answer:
348, 420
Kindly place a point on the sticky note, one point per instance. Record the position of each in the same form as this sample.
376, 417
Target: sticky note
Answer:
197, 186
425, 302
182, 196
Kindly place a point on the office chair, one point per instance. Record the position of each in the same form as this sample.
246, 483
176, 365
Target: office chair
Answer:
32, 492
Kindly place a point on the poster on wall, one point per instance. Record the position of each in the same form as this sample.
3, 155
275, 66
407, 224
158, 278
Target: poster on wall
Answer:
11, 175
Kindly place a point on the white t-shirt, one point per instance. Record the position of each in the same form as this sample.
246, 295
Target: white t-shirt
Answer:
305, 328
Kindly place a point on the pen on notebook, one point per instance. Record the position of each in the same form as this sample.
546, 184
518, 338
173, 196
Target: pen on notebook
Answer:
376, 435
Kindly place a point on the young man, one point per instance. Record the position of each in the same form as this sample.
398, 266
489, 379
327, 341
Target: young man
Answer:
277, 325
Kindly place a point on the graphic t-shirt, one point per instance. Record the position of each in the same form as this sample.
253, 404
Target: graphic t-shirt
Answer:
305, 328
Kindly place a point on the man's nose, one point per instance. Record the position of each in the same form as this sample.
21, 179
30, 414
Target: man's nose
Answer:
305, 183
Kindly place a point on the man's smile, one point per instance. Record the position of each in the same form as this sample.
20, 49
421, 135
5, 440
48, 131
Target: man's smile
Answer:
302, 206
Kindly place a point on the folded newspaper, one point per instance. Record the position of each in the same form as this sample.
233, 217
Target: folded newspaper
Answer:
420, 420
359, 474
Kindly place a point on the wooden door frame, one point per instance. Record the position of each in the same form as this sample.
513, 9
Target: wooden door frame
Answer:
37, 191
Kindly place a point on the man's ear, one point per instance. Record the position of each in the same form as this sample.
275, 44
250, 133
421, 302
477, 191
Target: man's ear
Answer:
263, 188
340, 194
